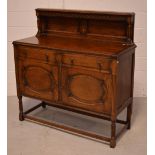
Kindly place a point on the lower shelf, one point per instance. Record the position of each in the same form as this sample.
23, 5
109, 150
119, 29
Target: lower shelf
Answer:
94, 128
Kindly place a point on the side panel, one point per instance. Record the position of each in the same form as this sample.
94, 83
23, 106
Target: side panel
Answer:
125, 79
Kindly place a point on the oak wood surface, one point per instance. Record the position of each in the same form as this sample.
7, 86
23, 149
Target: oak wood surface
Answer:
82, 61
77, 45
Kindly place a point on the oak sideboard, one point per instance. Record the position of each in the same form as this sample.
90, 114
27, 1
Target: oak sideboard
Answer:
80, 61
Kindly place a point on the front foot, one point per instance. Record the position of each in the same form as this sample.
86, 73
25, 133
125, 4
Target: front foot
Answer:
129, 125
112, 143
21, 117
129, 112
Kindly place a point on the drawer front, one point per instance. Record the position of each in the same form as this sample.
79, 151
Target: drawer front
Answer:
36, 53
99, 63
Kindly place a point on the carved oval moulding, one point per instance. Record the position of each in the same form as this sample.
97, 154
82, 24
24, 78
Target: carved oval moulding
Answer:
85, 87
38, 79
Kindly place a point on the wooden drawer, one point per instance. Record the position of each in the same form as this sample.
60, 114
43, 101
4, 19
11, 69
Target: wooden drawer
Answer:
99, 63
36, 53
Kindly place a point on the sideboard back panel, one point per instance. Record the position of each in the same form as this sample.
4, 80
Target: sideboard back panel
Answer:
103, 25
60, 24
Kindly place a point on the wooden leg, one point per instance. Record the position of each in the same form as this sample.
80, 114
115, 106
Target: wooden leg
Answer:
43, 104
21, 115
129, 112
113, 134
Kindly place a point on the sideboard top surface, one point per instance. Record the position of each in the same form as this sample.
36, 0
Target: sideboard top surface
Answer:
78, 45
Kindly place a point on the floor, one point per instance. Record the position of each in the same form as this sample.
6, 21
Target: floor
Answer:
27, 138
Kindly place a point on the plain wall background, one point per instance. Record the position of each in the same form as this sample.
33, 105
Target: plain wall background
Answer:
22, 22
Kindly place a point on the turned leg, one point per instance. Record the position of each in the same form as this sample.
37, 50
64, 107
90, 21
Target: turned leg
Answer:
43, 104
21, 115
129, 112
113, 134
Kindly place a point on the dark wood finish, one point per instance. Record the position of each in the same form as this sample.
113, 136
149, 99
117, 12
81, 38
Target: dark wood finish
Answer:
21, 114
103, 25
86, 89
81, 61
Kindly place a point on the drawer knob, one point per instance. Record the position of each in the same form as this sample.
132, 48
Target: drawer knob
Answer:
72, 62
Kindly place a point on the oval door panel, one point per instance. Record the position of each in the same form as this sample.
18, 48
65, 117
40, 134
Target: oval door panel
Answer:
86, 87
38, 79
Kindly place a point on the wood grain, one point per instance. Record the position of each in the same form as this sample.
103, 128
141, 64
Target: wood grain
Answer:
80, 61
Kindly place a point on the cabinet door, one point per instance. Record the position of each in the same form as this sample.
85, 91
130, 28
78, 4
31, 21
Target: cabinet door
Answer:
86, 89
38, 79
